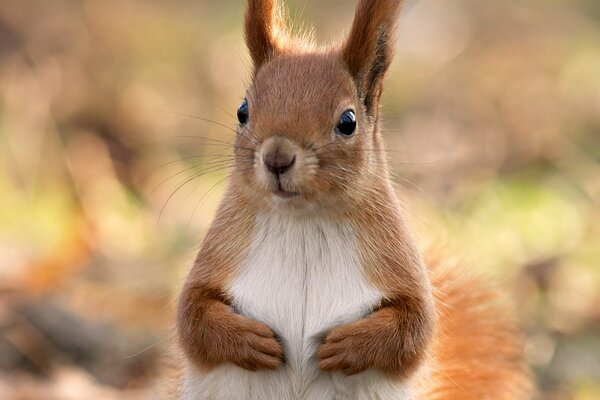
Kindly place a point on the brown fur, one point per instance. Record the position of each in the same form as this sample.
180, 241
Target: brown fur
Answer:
210, 332
395, 337
368, 52
298, 93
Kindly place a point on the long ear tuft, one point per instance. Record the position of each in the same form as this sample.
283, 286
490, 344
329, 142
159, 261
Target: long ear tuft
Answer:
265, 30
369, 49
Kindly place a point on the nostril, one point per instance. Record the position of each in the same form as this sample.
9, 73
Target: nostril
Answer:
278, 163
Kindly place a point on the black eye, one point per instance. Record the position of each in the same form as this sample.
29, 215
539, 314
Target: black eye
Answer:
242, 112
347, 124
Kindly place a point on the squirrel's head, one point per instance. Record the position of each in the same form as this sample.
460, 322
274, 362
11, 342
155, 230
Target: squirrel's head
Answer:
308, 128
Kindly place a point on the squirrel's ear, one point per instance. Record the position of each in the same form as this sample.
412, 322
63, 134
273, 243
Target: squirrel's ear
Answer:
369, 49
264, 30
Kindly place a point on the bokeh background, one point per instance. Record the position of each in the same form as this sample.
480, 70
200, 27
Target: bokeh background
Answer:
110, 171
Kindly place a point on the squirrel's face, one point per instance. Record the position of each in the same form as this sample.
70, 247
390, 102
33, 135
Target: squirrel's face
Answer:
308, 127
303, 135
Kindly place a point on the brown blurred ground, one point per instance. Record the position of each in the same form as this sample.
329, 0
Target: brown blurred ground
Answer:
492, 116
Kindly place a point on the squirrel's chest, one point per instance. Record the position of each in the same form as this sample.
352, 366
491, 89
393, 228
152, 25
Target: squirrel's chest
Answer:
302, 277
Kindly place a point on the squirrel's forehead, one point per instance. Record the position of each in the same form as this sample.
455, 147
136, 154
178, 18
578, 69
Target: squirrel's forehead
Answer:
310, 79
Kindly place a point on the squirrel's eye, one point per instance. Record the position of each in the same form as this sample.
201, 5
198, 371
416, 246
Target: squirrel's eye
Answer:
242, 112
347, 124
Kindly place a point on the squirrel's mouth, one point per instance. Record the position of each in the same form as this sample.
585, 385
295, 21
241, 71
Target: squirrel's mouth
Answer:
284, 194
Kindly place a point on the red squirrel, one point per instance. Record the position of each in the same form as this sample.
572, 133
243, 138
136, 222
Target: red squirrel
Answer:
308, 284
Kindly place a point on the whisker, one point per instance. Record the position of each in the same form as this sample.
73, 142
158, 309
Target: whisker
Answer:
202, 198
228, 144
181, 186
256, 140
324, 133
235, 119
325, 145
180, 160
150, 347
213, 168
228, 113
423, 193
338, 168
205, 120
394, 162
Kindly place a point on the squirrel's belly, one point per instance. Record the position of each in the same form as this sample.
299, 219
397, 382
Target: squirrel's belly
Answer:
302, 278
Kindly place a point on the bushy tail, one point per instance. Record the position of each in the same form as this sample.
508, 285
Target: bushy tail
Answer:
477, 352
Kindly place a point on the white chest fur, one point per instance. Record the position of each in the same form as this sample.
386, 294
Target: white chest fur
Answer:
302, 277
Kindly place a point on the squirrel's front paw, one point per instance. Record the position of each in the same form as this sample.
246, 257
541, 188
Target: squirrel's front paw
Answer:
345, 349
384, 341
257, 348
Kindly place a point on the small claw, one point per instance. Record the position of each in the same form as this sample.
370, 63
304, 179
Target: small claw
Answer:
335, 363
257, 361
269, 362
262, 330
326, 350
267, 346
334, 336
352, 370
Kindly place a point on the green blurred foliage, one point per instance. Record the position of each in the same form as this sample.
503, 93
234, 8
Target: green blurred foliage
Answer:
111, 172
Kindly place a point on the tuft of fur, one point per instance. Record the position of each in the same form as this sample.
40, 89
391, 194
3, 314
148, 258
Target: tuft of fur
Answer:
369, 49
265, 30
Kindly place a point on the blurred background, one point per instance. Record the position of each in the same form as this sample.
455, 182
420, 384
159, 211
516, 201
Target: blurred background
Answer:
110, 171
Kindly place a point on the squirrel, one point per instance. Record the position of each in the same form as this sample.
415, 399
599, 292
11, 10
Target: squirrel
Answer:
309, 284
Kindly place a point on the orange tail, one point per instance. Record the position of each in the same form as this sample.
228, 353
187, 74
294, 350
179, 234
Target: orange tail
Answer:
477, 352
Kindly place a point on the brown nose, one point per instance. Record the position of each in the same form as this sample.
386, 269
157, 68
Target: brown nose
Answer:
278, 162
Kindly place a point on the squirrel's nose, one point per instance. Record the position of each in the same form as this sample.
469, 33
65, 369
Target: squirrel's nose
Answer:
277, 162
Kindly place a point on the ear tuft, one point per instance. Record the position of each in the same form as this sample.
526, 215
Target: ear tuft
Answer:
369, 49
265, 30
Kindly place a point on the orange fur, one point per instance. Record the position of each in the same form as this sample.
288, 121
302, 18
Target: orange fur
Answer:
477, 351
